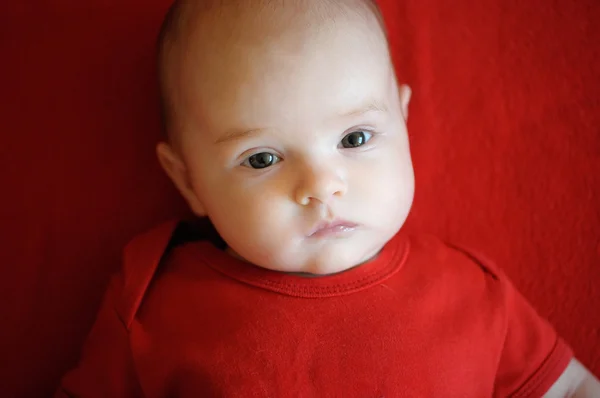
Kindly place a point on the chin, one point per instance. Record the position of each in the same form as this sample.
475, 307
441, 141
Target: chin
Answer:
336, 263
329, 270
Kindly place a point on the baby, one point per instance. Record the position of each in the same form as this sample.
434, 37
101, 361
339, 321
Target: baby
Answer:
287, 130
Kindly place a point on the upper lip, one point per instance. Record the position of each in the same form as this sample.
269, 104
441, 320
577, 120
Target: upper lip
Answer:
322, 225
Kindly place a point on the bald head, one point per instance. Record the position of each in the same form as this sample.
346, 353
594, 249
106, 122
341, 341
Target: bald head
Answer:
202, 30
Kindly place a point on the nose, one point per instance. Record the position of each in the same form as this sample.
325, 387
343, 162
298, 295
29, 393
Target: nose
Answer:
320, 184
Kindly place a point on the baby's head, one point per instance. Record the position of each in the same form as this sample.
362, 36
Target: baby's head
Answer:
287, 128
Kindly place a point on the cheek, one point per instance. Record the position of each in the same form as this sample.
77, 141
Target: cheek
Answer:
387, 184
386, 173
242, 210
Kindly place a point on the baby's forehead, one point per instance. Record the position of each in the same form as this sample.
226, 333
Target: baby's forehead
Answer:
213, 40
232, 20
196, 26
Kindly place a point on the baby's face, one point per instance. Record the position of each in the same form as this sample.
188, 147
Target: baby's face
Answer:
297, 149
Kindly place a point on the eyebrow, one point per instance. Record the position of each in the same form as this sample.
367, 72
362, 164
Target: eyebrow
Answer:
371, 106
233, 135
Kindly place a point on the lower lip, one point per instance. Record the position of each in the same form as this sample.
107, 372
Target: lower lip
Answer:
335, 231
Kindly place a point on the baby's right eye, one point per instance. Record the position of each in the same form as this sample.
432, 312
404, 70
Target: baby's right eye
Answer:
261, 160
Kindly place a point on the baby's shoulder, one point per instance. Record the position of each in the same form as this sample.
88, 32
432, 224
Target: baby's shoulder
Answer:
142, 257
443, 255
455, 267
455, 279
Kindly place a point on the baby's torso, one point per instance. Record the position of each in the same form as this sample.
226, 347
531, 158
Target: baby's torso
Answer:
430, 327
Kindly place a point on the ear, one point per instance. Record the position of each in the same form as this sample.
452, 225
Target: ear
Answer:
405, 93
175, 168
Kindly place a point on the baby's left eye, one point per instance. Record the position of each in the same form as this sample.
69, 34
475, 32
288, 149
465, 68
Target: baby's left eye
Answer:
356, 139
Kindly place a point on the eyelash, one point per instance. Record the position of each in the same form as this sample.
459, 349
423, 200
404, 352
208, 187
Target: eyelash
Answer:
249, 160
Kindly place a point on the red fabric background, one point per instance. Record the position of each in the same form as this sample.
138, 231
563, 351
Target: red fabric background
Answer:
504, 126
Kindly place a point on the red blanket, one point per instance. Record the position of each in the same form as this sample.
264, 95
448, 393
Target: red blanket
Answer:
505, 128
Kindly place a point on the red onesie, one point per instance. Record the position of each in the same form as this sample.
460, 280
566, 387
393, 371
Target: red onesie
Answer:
424, 319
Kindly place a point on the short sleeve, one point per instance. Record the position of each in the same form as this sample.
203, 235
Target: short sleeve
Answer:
106, 366
533, 355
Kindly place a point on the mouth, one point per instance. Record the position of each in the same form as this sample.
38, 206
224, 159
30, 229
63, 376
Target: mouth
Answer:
338, 228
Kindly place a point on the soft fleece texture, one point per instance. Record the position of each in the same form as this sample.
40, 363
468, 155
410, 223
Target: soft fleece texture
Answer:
505, 128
